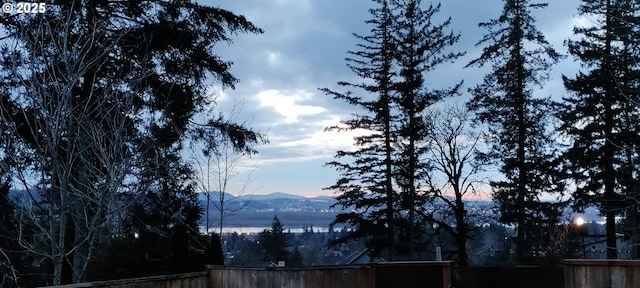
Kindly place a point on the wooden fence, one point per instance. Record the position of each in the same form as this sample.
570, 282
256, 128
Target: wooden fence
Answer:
198, 279
381, 275
357, 277
602, 273
385, 275
575, 274
507, 277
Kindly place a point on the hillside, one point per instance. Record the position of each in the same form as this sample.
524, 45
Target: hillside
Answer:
294, 211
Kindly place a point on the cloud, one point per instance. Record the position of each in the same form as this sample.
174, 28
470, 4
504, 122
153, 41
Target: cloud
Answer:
288, 104
312, 143
273, 58
326, 142
304, 47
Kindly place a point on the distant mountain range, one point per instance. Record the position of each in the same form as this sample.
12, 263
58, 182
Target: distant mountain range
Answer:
294, 211
258, 210
281, 195
297, 211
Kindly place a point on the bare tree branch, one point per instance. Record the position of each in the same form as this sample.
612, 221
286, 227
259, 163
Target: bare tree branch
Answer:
218, 163
454, 174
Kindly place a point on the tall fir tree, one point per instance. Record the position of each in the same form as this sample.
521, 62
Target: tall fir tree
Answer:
601, 115
85, 86
366, 182
628, 85
421, 47
520, 58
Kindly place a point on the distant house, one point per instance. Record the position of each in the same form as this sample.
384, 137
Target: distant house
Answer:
363, 257
593, 242
595, 247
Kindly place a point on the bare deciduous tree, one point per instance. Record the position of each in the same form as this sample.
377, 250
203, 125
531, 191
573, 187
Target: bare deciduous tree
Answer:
219, 164
93, 89
455, 174
70, 152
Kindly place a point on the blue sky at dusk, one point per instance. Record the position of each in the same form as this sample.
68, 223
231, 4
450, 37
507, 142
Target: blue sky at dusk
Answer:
303, 49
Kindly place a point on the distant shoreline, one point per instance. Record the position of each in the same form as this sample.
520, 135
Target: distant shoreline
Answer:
257, 230
294, 220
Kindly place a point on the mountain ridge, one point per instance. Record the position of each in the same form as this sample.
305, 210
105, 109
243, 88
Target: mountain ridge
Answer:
269, 196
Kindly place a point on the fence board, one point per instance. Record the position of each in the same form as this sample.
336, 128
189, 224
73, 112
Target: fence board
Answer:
166, 281
352, 277
507, 277
578, 274
412, 274
602, 273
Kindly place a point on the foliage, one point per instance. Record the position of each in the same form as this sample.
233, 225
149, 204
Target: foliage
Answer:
214, 255
519, 122
403, 40
366, 177
8, 245
96, 92
601, 114
218, 162
421, 47
247, 251
274, 242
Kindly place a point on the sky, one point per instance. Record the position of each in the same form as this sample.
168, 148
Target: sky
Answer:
303, 48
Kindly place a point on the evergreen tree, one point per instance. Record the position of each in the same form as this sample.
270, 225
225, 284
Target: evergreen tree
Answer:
166, 211
520, 58
214, 254
601, 115
421, 47
9, 260
274, 242
88, 86
366, 182
295, 259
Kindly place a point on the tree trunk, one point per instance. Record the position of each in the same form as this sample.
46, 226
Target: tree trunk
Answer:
388, 180
609, 172
522, 137
461, 231
413, 134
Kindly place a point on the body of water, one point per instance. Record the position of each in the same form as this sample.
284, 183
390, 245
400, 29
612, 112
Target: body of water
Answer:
256, 230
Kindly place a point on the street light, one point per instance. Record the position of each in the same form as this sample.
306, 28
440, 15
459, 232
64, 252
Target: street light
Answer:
579, 221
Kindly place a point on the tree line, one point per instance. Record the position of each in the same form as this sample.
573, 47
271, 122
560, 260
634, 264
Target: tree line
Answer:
97, 104
99, 100
415, 164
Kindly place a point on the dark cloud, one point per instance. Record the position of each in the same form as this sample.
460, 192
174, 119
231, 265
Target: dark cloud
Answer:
303, 48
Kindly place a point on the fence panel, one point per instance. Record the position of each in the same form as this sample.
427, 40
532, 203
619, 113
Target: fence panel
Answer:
338, 277
578, 274
507, 277
412, 274
602, 273
198, 279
